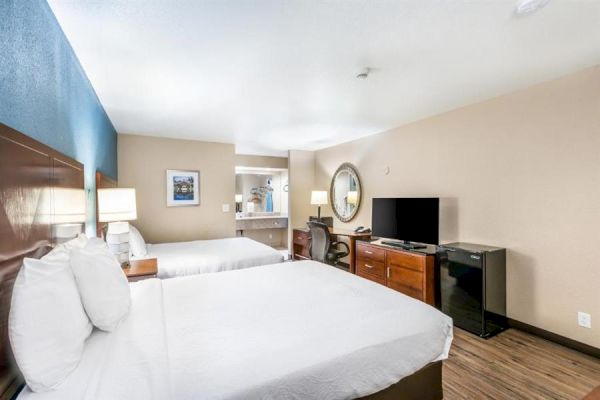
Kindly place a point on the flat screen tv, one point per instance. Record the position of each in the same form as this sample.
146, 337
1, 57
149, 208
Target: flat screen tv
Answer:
407, 219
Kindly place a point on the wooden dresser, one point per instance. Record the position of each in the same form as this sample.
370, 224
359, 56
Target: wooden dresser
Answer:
409, 272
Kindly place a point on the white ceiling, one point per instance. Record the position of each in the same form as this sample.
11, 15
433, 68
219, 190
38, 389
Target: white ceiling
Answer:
273, 75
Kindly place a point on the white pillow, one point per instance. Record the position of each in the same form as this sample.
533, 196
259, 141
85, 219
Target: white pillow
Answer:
102, 284
62, 251
47, 323
137, 245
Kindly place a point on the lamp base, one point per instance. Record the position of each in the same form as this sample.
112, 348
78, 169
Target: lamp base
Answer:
117, 239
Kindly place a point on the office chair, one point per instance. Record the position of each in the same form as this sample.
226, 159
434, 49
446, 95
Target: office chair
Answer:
321, 247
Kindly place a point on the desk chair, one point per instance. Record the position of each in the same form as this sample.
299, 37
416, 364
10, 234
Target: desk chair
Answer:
321, 247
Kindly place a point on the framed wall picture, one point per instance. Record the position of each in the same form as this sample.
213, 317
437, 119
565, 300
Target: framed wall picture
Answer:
183, 188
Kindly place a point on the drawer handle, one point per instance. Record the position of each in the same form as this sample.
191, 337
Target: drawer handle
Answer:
299, 238
388, 272
369, 266
368, 252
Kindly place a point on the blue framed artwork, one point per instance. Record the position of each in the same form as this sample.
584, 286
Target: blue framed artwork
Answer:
183, 188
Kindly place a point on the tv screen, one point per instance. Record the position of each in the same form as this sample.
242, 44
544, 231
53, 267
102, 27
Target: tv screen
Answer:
407, 219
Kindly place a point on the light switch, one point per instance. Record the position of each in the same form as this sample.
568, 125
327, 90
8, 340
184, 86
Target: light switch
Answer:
225, 207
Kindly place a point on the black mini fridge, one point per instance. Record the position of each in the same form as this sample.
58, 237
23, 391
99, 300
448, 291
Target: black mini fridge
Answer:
473, 287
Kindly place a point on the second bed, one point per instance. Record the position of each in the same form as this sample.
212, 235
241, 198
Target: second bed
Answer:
203, 256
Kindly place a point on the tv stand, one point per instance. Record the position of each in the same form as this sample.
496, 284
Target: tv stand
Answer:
404, 245
408, 271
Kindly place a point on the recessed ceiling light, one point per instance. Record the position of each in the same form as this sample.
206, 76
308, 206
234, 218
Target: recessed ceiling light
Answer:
529, 6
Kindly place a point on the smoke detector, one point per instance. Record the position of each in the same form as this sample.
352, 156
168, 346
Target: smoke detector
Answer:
524, 7
364, 74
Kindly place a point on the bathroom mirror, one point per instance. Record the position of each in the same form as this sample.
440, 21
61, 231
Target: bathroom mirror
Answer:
261, 191
345, 192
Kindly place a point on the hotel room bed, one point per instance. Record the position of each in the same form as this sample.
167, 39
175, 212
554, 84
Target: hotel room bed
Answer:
202, 256
299, 330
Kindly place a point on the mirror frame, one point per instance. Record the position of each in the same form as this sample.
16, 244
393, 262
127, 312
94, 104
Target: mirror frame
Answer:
344, 167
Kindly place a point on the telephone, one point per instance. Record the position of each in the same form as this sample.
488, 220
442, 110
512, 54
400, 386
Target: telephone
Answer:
362, 229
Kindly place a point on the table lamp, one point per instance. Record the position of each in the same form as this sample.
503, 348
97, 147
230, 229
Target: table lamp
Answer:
116, 207
318, 198
68, 215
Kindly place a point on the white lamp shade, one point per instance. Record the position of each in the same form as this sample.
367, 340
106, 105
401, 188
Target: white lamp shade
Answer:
116, 205
239, 198
352, 197
318, 197
69, 205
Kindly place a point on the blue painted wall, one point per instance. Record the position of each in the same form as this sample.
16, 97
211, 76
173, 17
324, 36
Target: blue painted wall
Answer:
45, 93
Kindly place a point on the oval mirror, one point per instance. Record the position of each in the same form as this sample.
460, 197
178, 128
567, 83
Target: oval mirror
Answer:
345, 193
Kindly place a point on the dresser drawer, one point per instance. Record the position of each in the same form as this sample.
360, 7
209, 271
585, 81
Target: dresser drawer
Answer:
367, 252
414, 262
301, 237
406, 280
369, 267
300, 245
362, 273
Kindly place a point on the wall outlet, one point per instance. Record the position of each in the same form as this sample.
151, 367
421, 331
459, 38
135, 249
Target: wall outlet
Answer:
225, 207
584, 319
270, 236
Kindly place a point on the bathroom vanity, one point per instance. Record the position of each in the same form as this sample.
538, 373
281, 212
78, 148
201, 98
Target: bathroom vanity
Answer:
262, 205
254, 221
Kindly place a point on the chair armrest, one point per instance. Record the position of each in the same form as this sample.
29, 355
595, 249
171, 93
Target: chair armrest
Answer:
333, 244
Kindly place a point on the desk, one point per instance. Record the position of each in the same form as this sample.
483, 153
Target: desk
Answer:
301, 243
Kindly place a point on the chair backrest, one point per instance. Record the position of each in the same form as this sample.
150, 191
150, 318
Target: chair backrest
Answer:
320, 240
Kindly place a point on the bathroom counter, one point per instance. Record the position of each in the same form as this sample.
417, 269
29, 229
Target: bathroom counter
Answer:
261, 222
254, 217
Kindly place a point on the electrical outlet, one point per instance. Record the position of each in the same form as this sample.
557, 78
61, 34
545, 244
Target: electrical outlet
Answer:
584, 319
225, 207
270, 236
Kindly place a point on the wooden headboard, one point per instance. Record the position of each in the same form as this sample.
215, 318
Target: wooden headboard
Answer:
30, 172
102, 182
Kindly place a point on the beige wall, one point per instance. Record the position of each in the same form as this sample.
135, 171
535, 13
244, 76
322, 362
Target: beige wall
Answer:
245, 160
520, 171
301, 177
143, 162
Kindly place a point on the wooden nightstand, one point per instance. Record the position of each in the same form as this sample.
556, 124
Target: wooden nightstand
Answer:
141, 269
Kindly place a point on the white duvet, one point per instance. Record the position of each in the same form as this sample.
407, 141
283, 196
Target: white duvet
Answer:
202, 256
299, 330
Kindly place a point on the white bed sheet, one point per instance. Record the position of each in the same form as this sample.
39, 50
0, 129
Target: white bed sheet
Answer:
299, 330
202, 256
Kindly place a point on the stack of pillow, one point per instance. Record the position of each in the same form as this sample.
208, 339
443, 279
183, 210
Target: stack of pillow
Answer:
137, 244
56, 302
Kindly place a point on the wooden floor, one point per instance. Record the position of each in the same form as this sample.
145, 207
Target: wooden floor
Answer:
516, 365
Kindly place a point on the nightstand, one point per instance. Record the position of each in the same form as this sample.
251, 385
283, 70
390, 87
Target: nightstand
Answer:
141, 269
